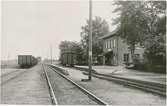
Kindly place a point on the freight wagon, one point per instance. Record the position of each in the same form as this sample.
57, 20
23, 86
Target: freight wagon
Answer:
68, 58
26, 60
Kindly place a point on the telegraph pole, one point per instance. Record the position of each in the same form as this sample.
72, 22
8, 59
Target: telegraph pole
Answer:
90, 44
90, 41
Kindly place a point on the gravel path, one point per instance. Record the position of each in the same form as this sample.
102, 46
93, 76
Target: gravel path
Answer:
116, 94
10, 75
65, 92
29, 87
121, 71
7, 71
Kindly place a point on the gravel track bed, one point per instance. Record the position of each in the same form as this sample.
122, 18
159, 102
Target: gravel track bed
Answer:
7, 73
65, 92
122, 95
29, 87
4, 72
5, 78
116, 94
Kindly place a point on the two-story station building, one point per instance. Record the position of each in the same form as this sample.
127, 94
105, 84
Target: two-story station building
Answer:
116, 52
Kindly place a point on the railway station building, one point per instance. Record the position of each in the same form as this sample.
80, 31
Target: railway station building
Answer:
116, 52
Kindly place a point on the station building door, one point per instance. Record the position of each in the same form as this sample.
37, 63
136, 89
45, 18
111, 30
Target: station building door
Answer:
109, 58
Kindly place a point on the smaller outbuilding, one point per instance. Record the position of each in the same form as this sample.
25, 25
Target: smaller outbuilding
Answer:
68, 57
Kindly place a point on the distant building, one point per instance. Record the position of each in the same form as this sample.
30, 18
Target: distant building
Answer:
116, 52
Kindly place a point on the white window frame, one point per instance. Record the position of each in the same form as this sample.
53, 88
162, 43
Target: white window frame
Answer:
108, 43
114, 43
126, 57
111, 43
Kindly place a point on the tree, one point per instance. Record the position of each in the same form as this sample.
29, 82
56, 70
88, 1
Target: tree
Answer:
155, 42
155, 46
130, 22
143, 22
137, 21
99, 28
74, 46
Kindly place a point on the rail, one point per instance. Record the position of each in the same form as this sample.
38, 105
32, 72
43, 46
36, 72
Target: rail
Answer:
92, 96
53, 97
140, 85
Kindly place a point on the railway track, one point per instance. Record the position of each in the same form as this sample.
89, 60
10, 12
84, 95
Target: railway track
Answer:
80, 93
53, 97
152, 87
128, 82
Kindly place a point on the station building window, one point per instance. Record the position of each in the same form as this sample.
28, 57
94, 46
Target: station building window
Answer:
126, 57
111, 44
108, 43
137, 56
114, 43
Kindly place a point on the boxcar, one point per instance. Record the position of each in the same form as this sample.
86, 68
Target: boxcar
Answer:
68, 58
26, 60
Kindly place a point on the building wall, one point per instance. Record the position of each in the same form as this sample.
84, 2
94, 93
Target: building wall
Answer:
123, 49
110, 44
119, 48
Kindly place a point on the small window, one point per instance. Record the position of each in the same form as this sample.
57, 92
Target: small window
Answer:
137, 56
114, 43
108, 43
111, 43
126, 57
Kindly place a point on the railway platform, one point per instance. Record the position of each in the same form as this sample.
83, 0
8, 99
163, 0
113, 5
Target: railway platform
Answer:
121, 71
25, 86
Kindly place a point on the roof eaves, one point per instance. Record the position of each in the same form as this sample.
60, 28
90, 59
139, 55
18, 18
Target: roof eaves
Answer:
109, 34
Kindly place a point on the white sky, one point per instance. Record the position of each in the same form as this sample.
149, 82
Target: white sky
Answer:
30, 27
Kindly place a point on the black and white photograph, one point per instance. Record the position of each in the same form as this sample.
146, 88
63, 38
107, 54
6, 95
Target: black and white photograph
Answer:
83, 52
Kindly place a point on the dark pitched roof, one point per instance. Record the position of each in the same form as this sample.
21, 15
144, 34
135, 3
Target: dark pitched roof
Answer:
109, 34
